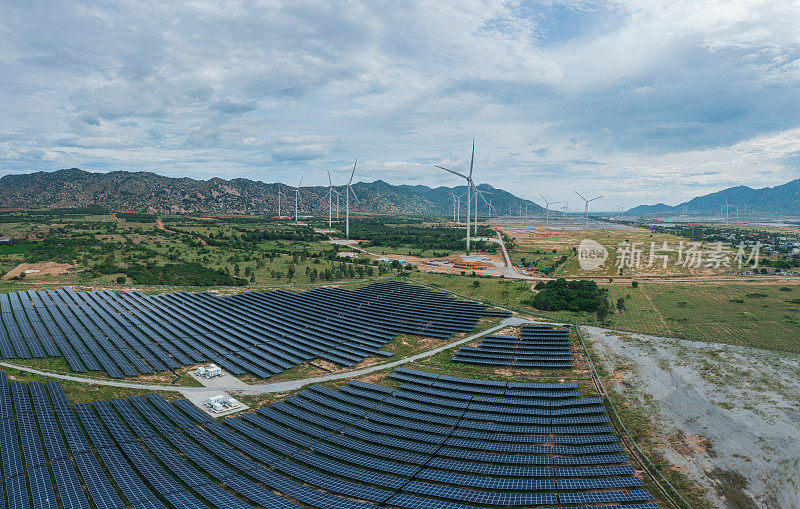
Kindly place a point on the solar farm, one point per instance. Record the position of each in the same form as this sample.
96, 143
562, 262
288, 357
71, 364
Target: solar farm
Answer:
537, 346
130, 333
435, 441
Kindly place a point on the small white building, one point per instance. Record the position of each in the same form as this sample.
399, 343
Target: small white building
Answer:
209, 371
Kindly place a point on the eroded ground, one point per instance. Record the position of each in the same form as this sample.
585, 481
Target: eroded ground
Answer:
727, 416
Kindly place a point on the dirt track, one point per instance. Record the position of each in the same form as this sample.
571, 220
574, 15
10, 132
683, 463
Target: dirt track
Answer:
729, 416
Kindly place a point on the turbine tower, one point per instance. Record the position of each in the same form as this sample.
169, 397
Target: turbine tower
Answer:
565, 209
330, 201
481, 193
349, 191
458, 207
297, 197
279, 200
546, 208
586, 207
468, 178
455, 205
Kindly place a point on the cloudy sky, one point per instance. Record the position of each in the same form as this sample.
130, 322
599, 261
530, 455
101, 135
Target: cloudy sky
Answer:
645, 101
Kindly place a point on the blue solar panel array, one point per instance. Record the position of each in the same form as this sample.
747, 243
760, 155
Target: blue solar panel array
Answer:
434, 441
261, 333
537, 346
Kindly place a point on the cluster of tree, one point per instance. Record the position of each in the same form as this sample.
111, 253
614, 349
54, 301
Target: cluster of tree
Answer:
381, 233
64, 250
179, 274
136, 217
243, 238
563, 295
551, 269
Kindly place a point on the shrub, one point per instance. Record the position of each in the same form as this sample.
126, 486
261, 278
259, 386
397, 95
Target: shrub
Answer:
566, 295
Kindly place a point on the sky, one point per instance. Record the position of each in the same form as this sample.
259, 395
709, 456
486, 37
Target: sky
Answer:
641, 101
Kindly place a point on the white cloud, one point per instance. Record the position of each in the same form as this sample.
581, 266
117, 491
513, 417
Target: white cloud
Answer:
645, 99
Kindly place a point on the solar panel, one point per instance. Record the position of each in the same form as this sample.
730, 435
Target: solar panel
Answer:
218, 497
100, 489
69, 486
17, 492
42, 494
132, 487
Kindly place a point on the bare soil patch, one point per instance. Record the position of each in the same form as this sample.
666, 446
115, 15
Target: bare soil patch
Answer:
726, 416
41, 269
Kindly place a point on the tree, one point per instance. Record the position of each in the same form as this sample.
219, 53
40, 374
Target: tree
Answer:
621, 304
635, 284
602, 310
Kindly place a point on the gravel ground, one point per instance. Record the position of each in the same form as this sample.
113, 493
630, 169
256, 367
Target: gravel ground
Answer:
730, 416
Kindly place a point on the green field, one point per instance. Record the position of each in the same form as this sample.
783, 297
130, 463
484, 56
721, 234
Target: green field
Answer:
756, 315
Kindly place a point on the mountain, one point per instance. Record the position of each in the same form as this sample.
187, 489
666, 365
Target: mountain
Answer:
782, 199
150, 192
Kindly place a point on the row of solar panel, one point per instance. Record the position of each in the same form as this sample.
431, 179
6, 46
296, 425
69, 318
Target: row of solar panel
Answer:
263, 333
539, 347
159, 454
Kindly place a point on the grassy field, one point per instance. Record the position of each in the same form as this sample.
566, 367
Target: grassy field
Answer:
80, 392
759, 315
754, 315
497, 291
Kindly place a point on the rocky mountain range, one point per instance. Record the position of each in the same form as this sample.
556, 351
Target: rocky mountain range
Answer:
782, 199
150, 192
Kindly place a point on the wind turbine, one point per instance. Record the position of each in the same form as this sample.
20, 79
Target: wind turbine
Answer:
330, 201
565, 209
468, 178
279, 200
546, 207
348, 192
481, 193
297, 197
458, 207
586, 207
338, 195
455, 205
727, 210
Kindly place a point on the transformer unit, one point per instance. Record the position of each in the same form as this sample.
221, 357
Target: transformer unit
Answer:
216, 399
210, 371
232, 403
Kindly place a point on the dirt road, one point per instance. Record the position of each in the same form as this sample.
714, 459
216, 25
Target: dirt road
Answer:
160, 226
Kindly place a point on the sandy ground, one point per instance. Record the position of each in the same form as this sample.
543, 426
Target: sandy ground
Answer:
44, 269
729, 416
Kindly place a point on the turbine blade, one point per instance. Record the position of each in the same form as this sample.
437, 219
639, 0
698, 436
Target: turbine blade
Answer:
330, 182
451, 171
353, 172
472, 159
579, 194
354, 194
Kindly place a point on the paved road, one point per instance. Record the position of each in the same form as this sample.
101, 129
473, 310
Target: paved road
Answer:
288, 385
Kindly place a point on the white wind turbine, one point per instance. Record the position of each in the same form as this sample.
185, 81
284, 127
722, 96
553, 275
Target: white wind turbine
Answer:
455, 205
458, 206
279, 200
468, 178
348, 192
481, 193
297, 198
565, 209
330, 201
586, 207
546, 208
